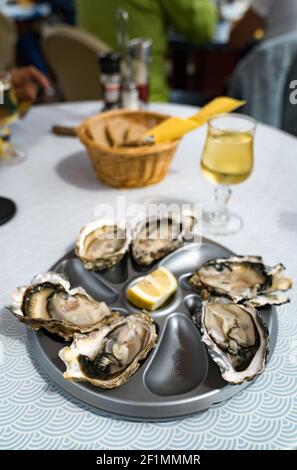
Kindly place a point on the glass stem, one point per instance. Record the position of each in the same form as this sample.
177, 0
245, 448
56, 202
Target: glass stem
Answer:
1, 141
222, 195
5, 142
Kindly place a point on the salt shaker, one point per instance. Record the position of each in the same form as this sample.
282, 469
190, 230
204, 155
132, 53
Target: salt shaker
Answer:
130, 98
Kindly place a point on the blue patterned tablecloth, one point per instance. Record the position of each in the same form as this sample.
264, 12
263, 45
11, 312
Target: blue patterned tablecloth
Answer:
53, 205
37, 414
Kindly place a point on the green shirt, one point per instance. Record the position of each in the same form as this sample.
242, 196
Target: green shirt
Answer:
194, 19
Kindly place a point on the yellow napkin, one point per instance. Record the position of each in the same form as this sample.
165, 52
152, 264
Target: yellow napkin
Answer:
171, 129
174, 128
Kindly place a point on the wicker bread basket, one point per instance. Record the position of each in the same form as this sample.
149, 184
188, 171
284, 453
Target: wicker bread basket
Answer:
127, 167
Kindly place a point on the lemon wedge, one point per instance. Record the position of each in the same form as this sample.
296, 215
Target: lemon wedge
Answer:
153, 290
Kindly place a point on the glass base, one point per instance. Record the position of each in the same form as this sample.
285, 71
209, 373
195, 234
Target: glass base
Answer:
7, 210
224, 225
13, 156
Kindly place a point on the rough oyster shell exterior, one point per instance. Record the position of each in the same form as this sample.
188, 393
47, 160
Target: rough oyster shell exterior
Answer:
89, 344
63, 328
93, 232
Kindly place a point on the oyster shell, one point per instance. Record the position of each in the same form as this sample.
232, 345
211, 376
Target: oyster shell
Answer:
50, 303
243, 278
102, 244
236, 339
108, 357
158, 236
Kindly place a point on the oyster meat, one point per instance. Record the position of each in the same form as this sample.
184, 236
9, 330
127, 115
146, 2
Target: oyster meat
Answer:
50, 303
158, 236
102, 244
236, 339
243, 278
108, 357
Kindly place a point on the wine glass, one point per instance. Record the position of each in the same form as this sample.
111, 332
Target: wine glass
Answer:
9, 154
9, 112
227, 159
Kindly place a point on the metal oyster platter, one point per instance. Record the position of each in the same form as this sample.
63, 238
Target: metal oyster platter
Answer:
178, 378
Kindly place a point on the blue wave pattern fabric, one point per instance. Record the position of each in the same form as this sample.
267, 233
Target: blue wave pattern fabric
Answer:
36, 414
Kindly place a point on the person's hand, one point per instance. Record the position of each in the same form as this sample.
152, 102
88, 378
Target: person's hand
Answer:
27, 81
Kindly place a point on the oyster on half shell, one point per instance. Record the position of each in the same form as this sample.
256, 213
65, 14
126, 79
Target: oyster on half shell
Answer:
236, 338
102, 244
158, 236
50, 303
108, 357
243, 278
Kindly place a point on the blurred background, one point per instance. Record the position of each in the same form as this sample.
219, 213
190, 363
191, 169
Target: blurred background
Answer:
199, 49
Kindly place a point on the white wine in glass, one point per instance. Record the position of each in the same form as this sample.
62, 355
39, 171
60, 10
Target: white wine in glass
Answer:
227, 159
8, 105
9, 154
9, 112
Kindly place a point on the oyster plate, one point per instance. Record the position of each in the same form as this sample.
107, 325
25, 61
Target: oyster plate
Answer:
178, 378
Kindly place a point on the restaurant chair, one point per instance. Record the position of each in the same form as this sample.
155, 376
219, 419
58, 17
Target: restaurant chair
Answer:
8, 39
72, 55
260, 78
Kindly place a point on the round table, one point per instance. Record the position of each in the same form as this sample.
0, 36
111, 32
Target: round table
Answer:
56, 192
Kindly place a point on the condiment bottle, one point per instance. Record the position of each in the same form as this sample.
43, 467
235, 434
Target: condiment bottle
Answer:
110, 64
139, 55
130, 95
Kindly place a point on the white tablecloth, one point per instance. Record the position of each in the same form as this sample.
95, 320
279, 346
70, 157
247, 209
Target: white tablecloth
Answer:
56, 192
